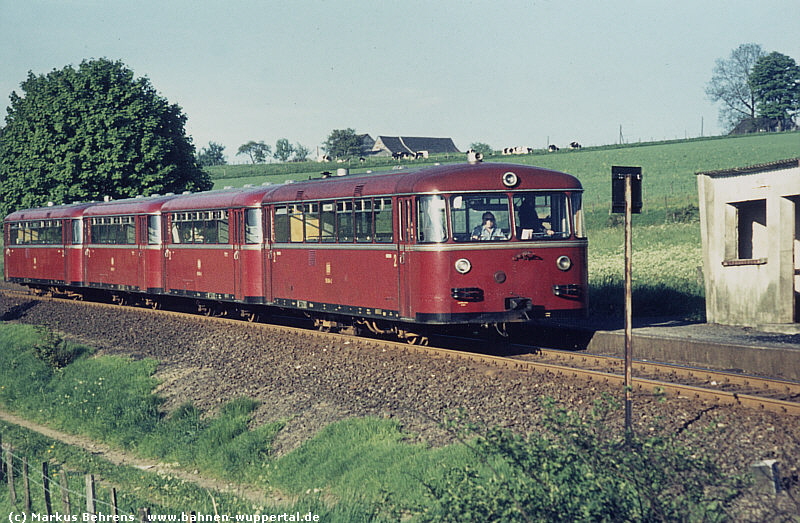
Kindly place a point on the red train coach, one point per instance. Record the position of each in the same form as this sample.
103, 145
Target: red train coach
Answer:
482, 243
43, 247
403, 249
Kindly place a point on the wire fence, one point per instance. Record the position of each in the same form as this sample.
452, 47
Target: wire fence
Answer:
54, 492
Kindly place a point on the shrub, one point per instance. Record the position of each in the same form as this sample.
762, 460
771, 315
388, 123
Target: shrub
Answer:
576, 470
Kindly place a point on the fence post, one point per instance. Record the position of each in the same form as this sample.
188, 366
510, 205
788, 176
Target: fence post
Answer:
2, 463
90, 493
114, 508
46, 488
26, 486
12, 492
65, 491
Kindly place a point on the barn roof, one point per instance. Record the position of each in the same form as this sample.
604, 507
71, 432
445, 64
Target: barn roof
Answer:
414, 144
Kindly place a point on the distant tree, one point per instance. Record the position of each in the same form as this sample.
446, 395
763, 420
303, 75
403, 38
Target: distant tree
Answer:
301, 153
730, 84
80, 134
283, 150
775, 80
342, 144
481, 147
212, 155
257, 151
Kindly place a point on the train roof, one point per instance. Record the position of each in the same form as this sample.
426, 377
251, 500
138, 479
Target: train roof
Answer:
54, 212
450, 178
222, 199
143, 205
445, 178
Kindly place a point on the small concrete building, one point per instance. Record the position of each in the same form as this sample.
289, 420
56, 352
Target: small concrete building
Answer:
749, 223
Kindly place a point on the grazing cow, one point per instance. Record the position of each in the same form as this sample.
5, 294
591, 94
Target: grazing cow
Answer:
552, 148
574, 145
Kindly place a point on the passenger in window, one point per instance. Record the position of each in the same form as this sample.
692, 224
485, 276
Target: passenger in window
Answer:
488, 230
530, 223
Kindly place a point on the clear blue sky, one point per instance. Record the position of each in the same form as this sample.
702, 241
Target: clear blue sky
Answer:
501, 72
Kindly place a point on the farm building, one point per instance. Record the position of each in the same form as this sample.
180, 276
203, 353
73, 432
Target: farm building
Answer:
412, 146
750, 227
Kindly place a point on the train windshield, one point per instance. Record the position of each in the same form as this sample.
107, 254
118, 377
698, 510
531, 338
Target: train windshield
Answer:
480, 217
541, 216
523, 216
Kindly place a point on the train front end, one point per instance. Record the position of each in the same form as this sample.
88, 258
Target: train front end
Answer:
500, 243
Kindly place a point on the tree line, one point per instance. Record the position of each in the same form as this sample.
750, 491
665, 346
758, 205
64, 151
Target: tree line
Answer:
257, 152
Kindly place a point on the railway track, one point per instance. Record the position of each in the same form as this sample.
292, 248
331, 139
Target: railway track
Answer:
667, 380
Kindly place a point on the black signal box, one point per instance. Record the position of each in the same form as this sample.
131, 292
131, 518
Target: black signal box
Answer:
618, 175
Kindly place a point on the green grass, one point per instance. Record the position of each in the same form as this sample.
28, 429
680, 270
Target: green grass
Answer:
354, 470
110, 399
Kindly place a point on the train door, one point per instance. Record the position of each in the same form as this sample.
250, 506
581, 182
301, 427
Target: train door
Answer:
405, 238
74, 250
237, 238
796, 249
141, 250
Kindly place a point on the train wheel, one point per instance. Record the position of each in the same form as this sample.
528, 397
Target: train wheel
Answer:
250, 316
152, 304
417, 339
121, 299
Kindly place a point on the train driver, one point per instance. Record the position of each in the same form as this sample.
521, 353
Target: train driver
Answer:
488, 230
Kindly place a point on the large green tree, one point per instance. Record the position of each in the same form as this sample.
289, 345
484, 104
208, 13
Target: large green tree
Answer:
730, 85
775, 80
342, 144
283, 150
81, 134
212, 155
256, 151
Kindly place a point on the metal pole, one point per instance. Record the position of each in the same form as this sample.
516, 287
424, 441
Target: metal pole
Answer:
628, 309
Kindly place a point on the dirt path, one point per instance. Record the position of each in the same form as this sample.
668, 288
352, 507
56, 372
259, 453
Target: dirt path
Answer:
118, 457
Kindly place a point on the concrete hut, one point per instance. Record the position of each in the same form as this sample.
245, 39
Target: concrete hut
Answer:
750, 222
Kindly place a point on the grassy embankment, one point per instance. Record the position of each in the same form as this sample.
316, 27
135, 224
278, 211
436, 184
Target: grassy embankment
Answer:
354, 470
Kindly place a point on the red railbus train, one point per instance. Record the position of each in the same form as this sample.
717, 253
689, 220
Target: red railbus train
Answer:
466, 244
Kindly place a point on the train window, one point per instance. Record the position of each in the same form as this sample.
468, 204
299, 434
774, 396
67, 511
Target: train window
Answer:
36, 232
541, 216
383, 220
363, 212
281, 224
344, 221
154, 230
77, 232
252, 226
476, 217
431, 219
312, 222
200, 227
577, 212
327, 220
296, 222
113, 230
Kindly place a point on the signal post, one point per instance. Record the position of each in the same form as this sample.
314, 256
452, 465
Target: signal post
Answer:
626, 196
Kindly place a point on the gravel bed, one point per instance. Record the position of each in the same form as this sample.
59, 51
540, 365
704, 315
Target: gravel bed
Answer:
312, 383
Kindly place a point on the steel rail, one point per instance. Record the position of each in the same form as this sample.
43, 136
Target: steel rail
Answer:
715, 377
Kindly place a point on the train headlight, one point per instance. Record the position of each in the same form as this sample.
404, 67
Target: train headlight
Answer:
564, 263
463, 266
510, 179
